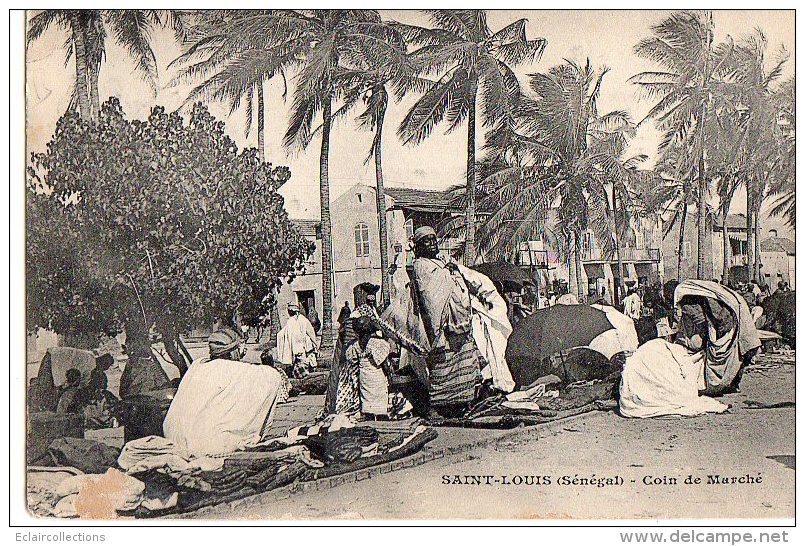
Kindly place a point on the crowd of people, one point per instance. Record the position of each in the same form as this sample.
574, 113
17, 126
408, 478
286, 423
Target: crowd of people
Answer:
435, 350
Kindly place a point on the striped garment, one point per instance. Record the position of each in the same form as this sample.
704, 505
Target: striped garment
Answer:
454, 371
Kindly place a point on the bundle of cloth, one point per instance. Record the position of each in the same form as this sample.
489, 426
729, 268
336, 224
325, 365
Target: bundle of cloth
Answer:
664, 379
716, 322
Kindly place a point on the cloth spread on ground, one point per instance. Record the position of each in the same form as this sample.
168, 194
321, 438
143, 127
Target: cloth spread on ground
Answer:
158, 453
89, 456
99, 496
296, 340
222, 406
662, 378
725, 350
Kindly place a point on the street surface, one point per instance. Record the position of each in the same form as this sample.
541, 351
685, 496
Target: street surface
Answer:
754, 448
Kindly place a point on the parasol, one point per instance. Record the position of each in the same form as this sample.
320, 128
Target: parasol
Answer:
549, 331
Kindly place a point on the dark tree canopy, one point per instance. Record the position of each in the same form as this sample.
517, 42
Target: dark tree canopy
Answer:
159, 219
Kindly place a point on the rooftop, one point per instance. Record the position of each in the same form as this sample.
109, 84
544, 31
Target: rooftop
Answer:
778, 244
422, 200
734, 222
308, 228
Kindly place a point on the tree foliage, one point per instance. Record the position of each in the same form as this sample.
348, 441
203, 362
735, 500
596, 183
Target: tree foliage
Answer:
159, 220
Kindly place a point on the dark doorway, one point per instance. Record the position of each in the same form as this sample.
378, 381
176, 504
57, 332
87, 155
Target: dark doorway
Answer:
307, 300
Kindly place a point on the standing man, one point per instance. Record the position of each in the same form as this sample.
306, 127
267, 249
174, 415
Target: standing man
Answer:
443, 300
296, 343
632, 304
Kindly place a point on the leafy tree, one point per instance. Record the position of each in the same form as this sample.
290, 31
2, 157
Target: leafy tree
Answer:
470, 61
154, 224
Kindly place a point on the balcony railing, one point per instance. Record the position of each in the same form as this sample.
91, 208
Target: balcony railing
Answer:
627, 255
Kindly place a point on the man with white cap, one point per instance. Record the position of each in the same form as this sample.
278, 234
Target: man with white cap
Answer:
443, 300
296, 343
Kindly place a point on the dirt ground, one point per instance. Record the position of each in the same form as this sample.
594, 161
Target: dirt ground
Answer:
500, 481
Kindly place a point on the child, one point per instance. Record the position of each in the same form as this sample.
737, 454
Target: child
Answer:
370, 353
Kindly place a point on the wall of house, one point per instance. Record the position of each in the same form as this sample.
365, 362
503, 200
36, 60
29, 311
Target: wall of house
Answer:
354, 207
777, 266
718, 250
689, 259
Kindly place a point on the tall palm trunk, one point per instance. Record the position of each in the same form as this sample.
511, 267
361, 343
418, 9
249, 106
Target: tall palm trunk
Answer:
381, 213
701, 220
469, 245
725, 242
682, 223
326, 229
757, 244
571, 264
94, 96
81, 74
577, 258
261, 123
619, 285
750, 248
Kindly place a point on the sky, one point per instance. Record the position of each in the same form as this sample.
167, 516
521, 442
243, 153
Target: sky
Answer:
605, 37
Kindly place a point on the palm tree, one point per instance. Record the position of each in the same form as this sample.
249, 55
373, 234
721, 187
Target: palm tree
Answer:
469, 61
315, 42
683, 45
232, 70
76, 23
754, 81
88, 33
368, 71
558, 154
782, 188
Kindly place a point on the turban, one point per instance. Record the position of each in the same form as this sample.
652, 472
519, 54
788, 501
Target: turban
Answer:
223, 341
422, 232
293, 307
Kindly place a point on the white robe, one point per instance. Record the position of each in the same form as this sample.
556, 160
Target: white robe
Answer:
297, 338
661, 379
222, 406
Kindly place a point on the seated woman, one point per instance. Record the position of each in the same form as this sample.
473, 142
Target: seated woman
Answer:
716, 322
223, 404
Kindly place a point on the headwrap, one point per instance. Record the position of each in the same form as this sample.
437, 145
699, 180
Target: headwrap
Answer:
422, 232
293, 307
223, 341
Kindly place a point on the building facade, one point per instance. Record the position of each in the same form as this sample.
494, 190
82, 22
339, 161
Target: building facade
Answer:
778, 256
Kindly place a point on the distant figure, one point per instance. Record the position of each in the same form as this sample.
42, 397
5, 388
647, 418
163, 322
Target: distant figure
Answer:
70, 394
633, 305
343, 315
313, 317
296, 343
266, 359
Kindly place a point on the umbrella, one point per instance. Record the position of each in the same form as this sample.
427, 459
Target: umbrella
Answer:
509, 276
549, 331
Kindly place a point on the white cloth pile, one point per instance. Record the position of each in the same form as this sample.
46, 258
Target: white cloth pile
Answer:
663, 379
103, 496
222, 406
